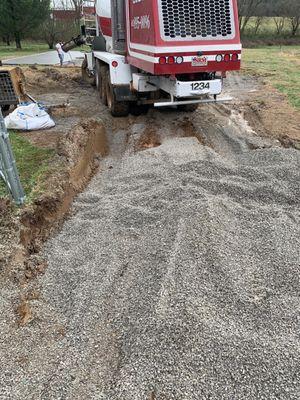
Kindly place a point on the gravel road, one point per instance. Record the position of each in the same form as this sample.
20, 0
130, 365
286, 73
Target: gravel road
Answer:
176, 277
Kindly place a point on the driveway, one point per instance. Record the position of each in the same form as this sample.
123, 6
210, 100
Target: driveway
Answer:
47, 58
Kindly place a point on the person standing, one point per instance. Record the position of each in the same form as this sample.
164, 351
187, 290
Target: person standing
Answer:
60, 52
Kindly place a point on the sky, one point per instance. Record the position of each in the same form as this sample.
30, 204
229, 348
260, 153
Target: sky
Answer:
66, 3
58, 3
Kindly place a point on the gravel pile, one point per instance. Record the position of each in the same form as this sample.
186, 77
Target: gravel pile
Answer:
177, 277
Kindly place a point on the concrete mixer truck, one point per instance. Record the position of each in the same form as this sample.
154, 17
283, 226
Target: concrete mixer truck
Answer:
162, 52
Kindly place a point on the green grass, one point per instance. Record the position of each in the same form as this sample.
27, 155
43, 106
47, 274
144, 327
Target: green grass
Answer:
28, 48
280, 66
33, 164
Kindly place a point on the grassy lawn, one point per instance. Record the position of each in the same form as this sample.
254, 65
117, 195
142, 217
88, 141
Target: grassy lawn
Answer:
7, 52
280, 66
33, 163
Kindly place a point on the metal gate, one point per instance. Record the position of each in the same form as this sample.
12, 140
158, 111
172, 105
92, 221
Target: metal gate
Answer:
8, 95
8, 169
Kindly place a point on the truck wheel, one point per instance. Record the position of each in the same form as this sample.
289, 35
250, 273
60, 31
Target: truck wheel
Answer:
117, 108
86, 76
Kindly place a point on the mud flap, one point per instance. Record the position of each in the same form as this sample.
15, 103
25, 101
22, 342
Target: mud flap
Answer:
123, 93
99, 43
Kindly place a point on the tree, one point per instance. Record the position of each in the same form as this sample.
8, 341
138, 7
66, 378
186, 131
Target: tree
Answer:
20, 17
78, 7
77, 4
257, 24
295, 24
294, 15
53, 30
6, 39
247, 9
279, 23
4, 34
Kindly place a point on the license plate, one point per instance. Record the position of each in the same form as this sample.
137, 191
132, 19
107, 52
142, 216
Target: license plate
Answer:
200, 86
199, 61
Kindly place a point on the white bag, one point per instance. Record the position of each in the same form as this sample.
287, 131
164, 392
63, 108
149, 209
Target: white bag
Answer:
29, 118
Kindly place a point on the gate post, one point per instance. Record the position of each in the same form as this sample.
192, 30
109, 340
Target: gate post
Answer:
8, 169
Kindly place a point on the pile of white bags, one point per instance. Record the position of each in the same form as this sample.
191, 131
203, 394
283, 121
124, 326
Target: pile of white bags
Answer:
28, 118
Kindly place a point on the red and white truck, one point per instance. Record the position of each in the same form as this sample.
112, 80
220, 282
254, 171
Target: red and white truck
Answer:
163, 52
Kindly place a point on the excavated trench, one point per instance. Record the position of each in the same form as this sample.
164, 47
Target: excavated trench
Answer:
174, 276
218, 127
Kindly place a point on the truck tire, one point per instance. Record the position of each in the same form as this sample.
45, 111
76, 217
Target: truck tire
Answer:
86, 76
116, 108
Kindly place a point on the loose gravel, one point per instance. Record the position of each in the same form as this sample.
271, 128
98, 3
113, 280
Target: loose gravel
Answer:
177, 277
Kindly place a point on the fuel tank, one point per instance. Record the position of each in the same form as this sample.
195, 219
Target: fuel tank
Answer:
103, 11
111, 24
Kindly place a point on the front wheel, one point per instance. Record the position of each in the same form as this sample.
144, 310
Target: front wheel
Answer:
116, 108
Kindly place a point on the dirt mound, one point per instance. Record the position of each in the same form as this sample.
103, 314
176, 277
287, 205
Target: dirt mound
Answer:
148, 140
267, 110
271, 115
22, 232
8, 233
79, 151
51, 78
178, 262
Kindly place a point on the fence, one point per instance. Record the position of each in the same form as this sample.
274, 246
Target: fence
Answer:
8, 169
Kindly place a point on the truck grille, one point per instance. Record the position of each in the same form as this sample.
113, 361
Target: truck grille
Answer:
7, 92
192, 19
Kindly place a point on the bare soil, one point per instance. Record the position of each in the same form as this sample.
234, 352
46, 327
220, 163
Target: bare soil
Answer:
80, 136
148, 140
267, 110
61, 324
78, 140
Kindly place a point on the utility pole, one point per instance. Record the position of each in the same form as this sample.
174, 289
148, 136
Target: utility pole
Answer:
8, 169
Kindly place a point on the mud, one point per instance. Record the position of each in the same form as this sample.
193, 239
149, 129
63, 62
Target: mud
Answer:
79, 151
78, 137
148, 140
32, 324
73, 103
266, 110
23, 232
9, 233
78, 141
39, 80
